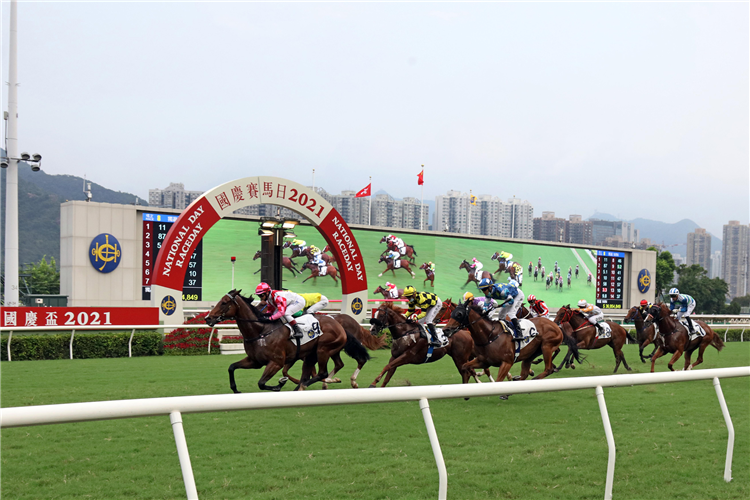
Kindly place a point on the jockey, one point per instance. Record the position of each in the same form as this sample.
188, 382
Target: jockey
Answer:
317, 258
543, 271
299, 243
593, 314
478, 301
476, 268
686, 304
505, 255
393, 254
314, 302
510, 298
282, 303
423, 307
537, 308
519, 272
392, 290
399, 244
539, 262
643, 308
431, 266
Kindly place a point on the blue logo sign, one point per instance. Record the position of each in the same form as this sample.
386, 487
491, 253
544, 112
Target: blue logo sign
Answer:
357, 306
105, 253
644, 281
168, 305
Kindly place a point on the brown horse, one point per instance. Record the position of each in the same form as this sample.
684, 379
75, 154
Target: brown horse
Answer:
409, 251
503, 265
673, 337
575, 324
390, 266
411, 348
385, 294
314, 273
472, 278
429, 273
267, 343
645, 336
493, 347
354, 331
285, 261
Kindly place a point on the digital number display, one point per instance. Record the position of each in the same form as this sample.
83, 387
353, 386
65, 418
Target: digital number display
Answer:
155, 229
610, 275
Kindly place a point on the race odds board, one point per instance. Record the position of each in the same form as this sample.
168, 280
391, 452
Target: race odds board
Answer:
155, 229
610, 272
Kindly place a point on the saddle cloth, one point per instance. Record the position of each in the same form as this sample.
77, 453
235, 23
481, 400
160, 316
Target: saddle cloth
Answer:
322, 270
440, 335
607, 331
698, 329
396, 263
528, 330
310, 328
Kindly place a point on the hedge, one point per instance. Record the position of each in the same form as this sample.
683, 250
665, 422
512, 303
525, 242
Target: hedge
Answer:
192, 341
85, 345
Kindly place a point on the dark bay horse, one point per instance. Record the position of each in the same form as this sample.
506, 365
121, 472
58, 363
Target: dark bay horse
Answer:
285, 261
472, 278
389, 263
503, 265
314, 272
577, 326
267, 343
385, 294
493, 347
410, 348
429, 273
673, 338
645, 336
409, 251
354, 331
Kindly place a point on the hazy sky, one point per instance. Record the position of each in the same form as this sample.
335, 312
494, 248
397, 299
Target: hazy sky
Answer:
636, 109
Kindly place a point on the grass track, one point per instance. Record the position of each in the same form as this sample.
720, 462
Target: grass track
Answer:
671, 439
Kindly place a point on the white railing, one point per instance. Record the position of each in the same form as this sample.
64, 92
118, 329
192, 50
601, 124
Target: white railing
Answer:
176, 406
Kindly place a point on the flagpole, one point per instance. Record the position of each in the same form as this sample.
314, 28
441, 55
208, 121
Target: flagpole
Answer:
421, 219
369, 218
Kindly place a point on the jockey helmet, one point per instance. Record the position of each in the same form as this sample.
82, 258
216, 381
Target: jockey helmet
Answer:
388, 284
409, 291
468, 296
513, 282
674, 291
474, 259
485, 283
262, 288
644, 303
582, 304
532, 299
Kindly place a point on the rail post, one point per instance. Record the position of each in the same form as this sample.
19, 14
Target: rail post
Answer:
610, 443
130, 344
214, 329
184, 455
424, 405
10, 336
72, 335
730, 430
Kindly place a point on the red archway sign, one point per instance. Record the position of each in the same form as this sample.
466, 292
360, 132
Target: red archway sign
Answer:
195, 221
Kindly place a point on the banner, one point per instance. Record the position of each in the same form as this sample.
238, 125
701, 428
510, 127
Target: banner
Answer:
364, 192
79, 316
420, 178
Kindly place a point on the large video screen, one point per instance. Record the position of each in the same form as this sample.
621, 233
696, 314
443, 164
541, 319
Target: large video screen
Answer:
228, 238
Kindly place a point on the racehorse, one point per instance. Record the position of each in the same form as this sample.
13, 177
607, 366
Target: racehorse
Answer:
503, 265
568, 280
409, 251
673, 337
285, 261
354, 331
465, 265
645, 336
549, 281
411, 348
429, 273
385, 294
588, 280
390, 266
314, 272
492, 347
328, 259
267, 343
577, 326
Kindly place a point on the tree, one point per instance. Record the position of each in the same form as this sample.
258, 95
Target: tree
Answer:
709, 294
664, 270
737, 304
43, 277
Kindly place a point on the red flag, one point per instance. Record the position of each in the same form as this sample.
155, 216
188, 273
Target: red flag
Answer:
364, 192
420, 178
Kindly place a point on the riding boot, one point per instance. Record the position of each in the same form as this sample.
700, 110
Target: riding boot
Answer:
297, 330
690, 325
594, 338
517, 334
433, 335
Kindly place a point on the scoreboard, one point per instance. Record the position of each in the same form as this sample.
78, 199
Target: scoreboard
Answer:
155, 229
610, 272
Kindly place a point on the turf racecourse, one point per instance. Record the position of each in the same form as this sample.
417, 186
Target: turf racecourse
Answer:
671, 439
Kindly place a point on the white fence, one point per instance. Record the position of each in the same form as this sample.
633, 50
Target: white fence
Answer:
175, 407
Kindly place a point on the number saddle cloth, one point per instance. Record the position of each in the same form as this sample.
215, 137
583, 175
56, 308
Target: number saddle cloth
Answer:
698, 330
607, 331
322, 270
397, 263
438, 333
310, 328
528, 330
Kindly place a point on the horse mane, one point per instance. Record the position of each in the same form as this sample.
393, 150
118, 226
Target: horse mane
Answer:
393, 306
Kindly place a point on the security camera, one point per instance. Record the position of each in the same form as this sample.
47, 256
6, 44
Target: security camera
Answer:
25, 156
4, 164
35, 167
37, 157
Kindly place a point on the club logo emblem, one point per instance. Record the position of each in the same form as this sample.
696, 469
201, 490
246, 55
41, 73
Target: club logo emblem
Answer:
105, 253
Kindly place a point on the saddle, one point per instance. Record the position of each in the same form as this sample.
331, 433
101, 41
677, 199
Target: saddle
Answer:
310, 328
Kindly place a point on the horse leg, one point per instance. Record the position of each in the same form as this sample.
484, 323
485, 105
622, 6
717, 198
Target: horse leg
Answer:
702, 348
311, 276
245, 364
674, 359
502, 372
271, 368
525, 369
617, 356
687, 366
323, 356
547, 353
385, 369
338, 364
658, 354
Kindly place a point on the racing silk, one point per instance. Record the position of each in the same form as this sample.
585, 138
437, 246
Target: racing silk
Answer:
423, 301
311, 299
496, 291
431, 267
315, 250
683, 302
592, 313
393, 291
539, 309
477, 267
482, 301
644, 310
394, 255
278, 301
299, 243
506, 255
517, 267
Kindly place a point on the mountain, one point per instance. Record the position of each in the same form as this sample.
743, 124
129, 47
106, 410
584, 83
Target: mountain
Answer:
673, 236
39, 199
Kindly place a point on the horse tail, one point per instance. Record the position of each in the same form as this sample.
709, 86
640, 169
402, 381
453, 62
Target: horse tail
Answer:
630, 337
369, 340
572, 346
413, 250
355, 349
717, 342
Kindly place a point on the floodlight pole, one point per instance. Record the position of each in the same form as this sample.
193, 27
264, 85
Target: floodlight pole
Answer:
11, 179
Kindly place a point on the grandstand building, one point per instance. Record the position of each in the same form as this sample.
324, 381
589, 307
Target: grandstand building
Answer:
735, 258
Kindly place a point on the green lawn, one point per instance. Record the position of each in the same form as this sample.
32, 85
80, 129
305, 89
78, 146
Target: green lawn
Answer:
671, 439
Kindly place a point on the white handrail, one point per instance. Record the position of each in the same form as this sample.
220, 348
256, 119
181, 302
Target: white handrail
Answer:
175, 406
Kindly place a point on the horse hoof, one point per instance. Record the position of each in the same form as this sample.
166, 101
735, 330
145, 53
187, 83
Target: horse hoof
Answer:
355, 385
572, 367
690, 367
372, 386
283, 380
503, 397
